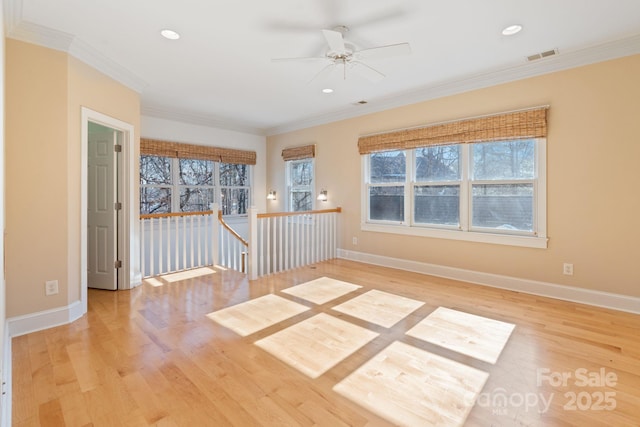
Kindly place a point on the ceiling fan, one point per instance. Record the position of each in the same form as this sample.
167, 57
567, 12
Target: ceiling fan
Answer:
341, 53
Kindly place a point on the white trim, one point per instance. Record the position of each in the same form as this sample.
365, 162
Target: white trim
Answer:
595, 298
33, 322
26, 31
464, 232
53, 39
302, 188
467, 236
131, 234
201, 119
523, 70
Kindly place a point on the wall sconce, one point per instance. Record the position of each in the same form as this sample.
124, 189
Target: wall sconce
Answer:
271, 195
323, 195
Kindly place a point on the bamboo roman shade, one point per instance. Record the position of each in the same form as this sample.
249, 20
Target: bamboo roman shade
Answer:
530, 123
297, 153
153, 147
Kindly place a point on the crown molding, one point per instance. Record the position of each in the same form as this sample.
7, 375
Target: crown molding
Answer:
200, 119
12, 13
105, 65
18, 29
590, 55
37, 34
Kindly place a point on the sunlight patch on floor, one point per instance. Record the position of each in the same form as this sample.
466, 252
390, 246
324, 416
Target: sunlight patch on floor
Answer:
380, 308
412, 387
475, 336
254, 315
187, 274
317, 344
154, 282
322, 290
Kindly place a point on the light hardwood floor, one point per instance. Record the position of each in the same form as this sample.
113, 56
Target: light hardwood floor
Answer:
152, 356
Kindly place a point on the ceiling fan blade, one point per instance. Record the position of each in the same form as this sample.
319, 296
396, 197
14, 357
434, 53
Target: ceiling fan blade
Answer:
382, 52
301, 58
323, 73
366, 71
335, 40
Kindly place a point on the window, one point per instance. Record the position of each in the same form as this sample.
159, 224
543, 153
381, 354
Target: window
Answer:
300, 185
178, 177
491, 192
234, 188
503, 186
480, 179
386, 186
196, 184
299, 175
155, 184
436, 189
188, 185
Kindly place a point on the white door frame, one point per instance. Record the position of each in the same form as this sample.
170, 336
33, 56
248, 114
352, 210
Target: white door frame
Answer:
130, 275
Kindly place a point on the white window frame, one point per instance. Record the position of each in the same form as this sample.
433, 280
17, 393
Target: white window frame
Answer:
175, 186
175, 176
218, 195
537, 239
291, 188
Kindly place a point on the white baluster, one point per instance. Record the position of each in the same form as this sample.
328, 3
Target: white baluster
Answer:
199, 240
261, 246
143, 250
253, 238
267, 246
192, 239
152, 245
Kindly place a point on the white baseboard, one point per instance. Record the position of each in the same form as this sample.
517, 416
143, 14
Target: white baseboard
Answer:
34, 322
567, 293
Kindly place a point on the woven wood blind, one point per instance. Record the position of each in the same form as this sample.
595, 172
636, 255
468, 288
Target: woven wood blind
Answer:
514, 125
154, 147
297, 153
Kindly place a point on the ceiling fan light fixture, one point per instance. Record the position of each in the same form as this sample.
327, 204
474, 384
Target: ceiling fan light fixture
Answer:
170, 34
512, 30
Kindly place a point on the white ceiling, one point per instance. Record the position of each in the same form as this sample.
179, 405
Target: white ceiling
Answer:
220, 72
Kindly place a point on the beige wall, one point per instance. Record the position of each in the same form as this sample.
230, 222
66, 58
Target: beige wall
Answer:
592, 177
45, 91
92, 89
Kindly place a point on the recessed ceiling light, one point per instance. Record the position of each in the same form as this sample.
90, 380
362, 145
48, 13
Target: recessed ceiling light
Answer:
327, 90
170, 34
511, 30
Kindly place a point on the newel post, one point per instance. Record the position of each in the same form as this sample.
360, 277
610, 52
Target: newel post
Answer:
253, 243
215, 234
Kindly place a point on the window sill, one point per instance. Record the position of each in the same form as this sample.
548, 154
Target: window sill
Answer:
468, 236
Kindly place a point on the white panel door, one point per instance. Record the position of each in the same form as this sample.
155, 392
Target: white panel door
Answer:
102, 216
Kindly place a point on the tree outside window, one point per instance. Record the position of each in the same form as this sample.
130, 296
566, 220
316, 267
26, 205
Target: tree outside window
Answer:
300, 179
189, 185
485, 187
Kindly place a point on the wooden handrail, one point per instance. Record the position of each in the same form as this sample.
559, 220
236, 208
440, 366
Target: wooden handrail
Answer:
172, 214
231, 230
277, 214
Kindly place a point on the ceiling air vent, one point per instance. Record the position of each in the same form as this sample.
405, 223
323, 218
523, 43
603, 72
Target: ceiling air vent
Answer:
541, 55
360, 102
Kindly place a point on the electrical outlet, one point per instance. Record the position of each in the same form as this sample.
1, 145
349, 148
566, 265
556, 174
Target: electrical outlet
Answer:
354, 241
567, 269
51, 287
